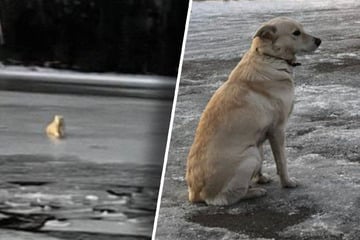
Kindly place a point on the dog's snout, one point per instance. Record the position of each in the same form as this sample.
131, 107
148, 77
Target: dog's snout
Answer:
317, 41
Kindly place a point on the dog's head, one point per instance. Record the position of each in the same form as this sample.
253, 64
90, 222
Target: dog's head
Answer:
59, 119
283, 38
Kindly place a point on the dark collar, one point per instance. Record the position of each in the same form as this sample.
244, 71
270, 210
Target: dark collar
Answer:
289, 62
293, 64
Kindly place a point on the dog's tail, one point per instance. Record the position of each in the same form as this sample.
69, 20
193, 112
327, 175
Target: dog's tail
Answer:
195, 181
194, 196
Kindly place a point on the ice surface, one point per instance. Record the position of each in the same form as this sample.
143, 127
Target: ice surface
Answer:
322, 135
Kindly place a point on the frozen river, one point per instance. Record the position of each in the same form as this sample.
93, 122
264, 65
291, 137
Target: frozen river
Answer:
322, 135
98, 129
100, 182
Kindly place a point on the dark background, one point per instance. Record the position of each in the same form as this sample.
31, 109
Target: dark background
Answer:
132, 36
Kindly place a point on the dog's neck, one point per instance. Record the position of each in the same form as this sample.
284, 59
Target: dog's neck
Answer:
288, 62
255, 66
280, 64
258, 49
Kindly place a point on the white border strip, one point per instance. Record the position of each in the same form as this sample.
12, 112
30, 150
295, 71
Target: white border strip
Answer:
171, 121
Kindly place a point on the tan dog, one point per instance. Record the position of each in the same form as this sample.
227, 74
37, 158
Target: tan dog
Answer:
253, 105
56, 128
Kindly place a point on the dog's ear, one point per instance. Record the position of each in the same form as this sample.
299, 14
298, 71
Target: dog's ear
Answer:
266, 32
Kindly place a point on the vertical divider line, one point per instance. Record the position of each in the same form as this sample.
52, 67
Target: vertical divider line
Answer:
171, 121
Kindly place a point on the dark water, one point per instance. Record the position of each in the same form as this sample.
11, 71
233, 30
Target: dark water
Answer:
70, 199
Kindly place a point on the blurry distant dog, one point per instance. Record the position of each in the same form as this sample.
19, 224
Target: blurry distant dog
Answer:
253, 105
56, 128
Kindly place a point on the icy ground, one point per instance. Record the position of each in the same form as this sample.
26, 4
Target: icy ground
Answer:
323, 135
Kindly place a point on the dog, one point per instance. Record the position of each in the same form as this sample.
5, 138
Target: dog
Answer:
252, 106
56, 129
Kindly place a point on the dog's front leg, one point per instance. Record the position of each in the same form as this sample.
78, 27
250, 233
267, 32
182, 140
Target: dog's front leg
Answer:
261, 178
277, 142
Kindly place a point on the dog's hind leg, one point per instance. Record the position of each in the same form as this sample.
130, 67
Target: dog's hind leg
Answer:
237, 187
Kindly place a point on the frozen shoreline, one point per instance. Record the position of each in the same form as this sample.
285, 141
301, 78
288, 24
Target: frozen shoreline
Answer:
38, 79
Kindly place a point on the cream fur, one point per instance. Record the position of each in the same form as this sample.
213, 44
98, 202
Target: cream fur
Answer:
56, 128
252, 106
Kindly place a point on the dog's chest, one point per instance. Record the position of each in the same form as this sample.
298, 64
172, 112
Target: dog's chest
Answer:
283, 99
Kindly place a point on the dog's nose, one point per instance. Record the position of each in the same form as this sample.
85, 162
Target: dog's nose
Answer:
317, 41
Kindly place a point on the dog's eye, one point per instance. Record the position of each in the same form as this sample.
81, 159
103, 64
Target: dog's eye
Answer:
296, 33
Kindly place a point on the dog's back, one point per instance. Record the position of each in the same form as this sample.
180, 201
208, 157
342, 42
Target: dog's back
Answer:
235, 119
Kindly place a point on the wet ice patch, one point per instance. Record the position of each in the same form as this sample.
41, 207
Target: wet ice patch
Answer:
178, 178
19, 235
43, 196
309, 159
258, 223
330, 100
92, 198
330, 143
339, 135
57, 224
96, 226
316, 227
342, 55
323, 56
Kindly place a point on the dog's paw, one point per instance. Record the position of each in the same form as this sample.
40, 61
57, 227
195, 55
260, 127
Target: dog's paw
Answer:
255, 193
262, 179
259, 192
290, 183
